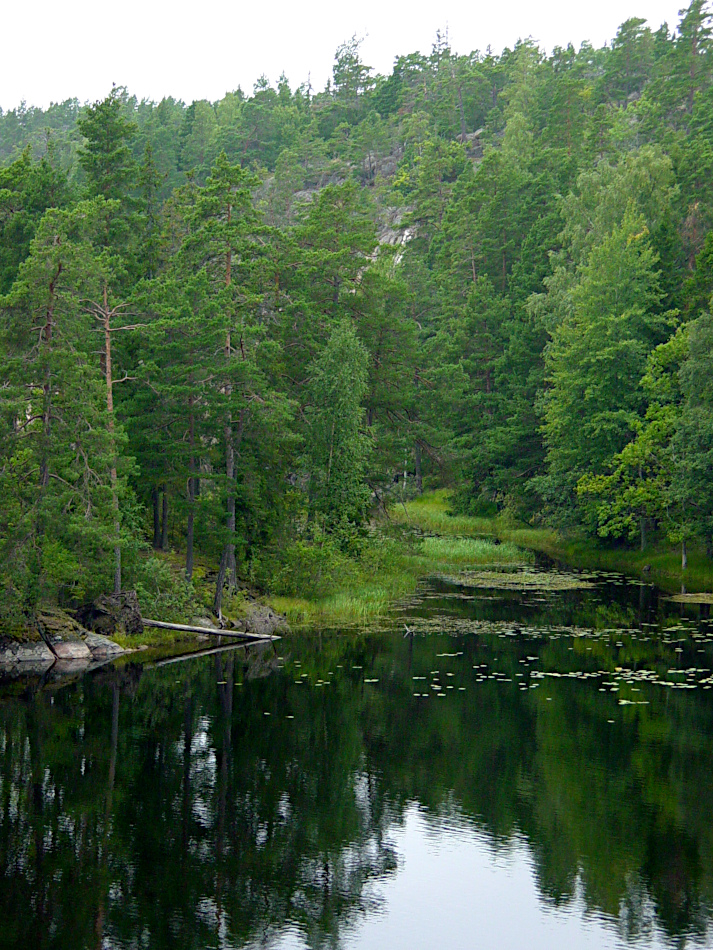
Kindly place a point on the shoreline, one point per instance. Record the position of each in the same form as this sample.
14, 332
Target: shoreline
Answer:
432, 542
430, 512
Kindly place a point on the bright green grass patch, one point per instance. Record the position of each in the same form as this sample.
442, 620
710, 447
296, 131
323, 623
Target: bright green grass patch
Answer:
470, 551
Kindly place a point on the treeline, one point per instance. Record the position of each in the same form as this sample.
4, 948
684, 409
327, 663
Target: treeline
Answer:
247, 318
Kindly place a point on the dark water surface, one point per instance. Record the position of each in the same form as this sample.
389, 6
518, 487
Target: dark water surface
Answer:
526, 770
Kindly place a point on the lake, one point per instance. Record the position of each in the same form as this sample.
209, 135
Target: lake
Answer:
516, 760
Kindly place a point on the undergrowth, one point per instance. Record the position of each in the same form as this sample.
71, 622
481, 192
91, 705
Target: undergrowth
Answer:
388, 570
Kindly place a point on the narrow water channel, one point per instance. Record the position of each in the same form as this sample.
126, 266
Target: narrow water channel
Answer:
516, 760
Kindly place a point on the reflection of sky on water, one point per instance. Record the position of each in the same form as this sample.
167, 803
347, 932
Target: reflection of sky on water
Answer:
455, 891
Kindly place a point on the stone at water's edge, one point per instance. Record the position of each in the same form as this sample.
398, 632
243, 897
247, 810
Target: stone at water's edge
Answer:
102, 646
264, 621
112, 614
15, 652
71, 650
55, 636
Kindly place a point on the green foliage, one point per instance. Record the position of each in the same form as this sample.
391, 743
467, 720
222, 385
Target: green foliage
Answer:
598, 356
162, 592
466, 272
309, 569
338, 446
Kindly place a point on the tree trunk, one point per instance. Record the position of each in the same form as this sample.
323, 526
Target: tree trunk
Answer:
419, 477
156, 519
191, 491
642, 526
230, 546
110, 423
47, 392
219, 584
684, 555
164, 520
227, 559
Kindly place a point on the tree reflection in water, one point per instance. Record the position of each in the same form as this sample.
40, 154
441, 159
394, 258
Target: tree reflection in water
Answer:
180, 806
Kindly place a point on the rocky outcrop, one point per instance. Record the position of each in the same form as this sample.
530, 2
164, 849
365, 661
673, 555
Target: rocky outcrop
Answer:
262, 620
29, 656
54, 637
113, 614
63, 635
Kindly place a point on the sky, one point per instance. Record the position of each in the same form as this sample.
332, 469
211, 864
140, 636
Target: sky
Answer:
56, 49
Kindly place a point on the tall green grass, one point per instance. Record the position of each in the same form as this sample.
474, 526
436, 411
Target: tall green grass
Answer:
430, 512
389, 571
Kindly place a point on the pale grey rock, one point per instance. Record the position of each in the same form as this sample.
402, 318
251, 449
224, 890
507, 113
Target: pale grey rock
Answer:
265, 621
101, 647
70, 650
19, 653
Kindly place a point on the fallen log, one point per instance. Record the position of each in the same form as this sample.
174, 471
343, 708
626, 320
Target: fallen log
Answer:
213, 631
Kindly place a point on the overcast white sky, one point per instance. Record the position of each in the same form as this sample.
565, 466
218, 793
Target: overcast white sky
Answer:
55, 49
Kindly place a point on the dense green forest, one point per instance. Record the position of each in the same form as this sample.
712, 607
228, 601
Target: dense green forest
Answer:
234, 329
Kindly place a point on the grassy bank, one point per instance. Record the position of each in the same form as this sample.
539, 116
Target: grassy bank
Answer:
390, 570
430, 513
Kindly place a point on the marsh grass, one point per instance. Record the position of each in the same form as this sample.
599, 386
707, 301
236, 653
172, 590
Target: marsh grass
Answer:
662, 561
389, 571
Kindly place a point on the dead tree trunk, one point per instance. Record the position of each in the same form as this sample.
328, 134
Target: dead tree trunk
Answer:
227, 559
191, 490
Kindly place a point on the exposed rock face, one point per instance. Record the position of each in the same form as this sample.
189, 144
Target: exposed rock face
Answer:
70, 650
112, 614
55, 637
36, 656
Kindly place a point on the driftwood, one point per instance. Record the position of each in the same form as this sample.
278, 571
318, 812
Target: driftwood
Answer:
213, 631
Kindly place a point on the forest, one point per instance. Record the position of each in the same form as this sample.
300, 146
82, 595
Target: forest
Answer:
235, 330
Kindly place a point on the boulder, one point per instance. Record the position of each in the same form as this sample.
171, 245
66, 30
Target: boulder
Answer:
112, 614
70, 650
102, 647
265, 621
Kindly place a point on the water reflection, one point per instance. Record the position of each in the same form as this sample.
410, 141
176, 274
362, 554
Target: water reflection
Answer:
529, 770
